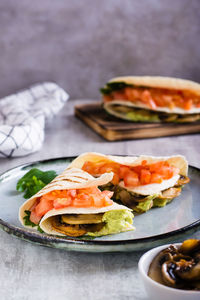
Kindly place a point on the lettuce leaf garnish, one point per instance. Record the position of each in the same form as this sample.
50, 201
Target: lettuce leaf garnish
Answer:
33, 181
113, 86
28, 222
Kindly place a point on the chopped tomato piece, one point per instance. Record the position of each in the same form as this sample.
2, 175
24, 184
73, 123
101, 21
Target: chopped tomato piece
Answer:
122, 171
166, 172
156, 166
188, 105
90, 190
156, 178
146, 96
98, 201
131, 179
88, 167
138, 169
83, 200
145, 176
43, 207
34, 217
131, 93
109, 167
144, 162
55, 194
62, 202
119, 95
72, 193
115, 179
108, 194
108, 202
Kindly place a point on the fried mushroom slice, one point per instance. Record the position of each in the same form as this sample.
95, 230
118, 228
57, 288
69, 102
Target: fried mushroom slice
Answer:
182, 180
170, 193
70, 230
178, 266
74, 230
82, 219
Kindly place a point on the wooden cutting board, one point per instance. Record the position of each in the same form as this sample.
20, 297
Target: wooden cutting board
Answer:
113, 129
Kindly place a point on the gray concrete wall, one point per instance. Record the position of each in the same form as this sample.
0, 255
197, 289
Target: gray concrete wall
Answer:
81, 44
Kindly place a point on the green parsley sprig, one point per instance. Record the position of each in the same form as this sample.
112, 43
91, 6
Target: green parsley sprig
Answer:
33, 181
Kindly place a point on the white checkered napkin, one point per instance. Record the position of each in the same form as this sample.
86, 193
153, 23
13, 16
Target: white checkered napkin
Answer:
22, 118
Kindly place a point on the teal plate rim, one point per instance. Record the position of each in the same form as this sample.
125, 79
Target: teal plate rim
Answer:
48, 240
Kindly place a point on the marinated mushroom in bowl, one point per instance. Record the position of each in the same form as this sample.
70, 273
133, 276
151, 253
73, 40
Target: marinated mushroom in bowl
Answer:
178, 266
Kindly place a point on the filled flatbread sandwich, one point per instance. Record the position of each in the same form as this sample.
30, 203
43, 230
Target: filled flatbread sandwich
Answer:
139, 182
152, 99
72, 204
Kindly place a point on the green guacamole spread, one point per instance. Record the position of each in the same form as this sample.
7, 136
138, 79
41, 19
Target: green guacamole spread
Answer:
115, 221
143, 116
151, 201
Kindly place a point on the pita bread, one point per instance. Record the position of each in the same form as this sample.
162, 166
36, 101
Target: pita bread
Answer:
109, 107
161, 82
154, 82
178, 161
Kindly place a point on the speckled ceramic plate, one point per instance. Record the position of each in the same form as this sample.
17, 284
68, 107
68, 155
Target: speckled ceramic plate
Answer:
174, 222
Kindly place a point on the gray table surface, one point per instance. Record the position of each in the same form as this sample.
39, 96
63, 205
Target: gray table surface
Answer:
28, 271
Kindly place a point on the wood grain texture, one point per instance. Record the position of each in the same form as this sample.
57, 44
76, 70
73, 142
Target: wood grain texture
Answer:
113, 129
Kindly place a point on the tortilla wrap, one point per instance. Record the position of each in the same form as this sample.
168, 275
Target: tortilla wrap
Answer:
160, 82
154, 82
178, 161
189, 116
46, 225
141, 197
70, 178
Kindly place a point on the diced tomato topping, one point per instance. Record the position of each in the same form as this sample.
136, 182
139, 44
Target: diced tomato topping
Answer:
108, 202
115, 179
120, 95
156, 178
138, 169
62, 202
44, 206
139, 175
144, 162
187, 104
145, 176
131, 179
106, 197
98, 202
34, 217
156, 97
72, 193
83, 200
156, 167
86, 197
107, 194
122, 171
166, 172
108, 167
88, 166
145, 96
